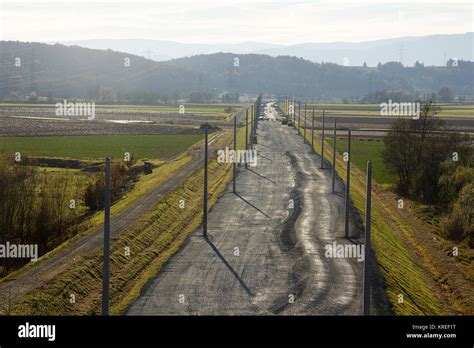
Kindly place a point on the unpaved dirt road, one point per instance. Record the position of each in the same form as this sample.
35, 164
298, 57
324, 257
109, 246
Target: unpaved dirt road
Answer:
266, 247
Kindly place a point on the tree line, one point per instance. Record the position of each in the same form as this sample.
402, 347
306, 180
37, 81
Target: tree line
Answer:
57, 71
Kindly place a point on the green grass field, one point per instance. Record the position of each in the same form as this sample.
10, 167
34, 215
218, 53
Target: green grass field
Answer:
363, 151
95, 147
373, 110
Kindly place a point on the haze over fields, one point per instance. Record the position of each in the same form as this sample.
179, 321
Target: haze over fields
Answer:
60, 71
324, 30
430, 50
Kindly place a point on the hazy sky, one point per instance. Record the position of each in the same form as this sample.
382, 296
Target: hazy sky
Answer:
228, 21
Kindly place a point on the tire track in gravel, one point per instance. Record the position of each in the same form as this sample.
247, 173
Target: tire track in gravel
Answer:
281, 250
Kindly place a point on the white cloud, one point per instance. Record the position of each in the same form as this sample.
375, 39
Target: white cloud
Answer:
230, 21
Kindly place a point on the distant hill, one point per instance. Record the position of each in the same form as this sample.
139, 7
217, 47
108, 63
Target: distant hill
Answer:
430, 50
60, 71
57, 70
160, 50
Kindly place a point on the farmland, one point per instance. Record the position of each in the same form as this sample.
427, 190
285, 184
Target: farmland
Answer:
373, 110
163, 227
41, 120
363, 151
70, 151
130, 112
95, 147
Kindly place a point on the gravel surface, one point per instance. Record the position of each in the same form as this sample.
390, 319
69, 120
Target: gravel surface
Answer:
263, 256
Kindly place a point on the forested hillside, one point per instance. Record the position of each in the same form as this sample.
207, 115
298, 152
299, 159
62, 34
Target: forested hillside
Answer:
58, 71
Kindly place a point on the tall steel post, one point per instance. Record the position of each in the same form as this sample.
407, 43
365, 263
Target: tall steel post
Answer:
312, 133
204, 219
368, 206
322, 145
294, 115
334, 157
106, 265
246, 133
348, 184
299, 116
251, 128
234, 165
304, 125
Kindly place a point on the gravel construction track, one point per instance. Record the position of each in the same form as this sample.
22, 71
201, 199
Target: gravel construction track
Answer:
261, 254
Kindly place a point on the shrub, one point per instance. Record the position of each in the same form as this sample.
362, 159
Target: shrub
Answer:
458, 225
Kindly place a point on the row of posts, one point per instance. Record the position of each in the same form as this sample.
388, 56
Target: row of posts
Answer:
290, 109
255, 113
255, 109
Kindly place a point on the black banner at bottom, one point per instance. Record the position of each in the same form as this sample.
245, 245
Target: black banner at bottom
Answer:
166, 330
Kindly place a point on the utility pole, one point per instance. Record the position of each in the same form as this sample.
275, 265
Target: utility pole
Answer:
294, 115
299, 116
251, 128
204, 220
257, 115
106, 256
368, 206
334, 157
348, 183
246, 132
304, 131
234, 165
322, 145
312, 133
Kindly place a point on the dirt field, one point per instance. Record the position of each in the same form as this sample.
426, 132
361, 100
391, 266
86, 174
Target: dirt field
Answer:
39, 121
